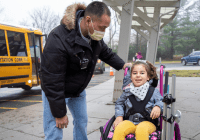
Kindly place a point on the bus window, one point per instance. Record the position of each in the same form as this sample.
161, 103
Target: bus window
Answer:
37, 51
37, 46
3, 48
16, 44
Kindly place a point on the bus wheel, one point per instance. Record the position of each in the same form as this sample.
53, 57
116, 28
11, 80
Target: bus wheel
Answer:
26, 87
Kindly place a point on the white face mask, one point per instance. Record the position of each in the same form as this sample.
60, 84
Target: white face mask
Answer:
97, 35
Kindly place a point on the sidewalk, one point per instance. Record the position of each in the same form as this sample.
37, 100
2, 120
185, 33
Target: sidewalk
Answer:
26, 123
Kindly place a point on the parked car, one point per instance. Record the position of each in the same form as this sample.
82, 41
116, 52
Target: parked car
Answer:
193, 58
100, 66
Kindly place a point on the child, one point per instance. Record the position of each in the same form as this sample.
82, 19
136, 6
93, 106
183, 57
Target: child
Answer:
135, 56
140, 103
139, 55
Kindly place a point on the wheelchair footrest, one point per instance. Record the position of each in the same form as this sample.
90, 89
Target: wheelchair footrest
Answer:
154, 136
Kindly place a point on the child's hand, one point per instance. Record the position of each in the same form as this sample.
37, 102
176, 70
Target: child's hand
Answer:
155, 113
117, 121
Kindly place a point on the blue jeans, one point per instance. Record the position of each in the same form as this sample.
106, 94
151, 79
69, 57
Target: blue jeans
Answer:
78, 109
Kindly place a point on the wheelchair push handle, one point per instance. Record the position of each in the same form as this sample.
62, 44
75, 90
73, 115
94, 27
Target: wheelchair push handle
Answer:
127, 69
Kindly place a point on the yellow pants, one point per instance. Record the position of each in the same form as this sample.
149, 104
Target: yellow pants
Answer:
141, 131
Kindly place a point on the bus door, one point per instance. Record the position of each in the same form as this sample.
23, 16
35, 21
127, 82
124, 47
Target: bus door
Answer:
35, 44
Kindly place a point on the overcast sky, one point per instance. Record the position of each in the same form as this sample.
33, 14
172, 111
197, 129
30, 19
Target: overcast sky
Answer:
17, 10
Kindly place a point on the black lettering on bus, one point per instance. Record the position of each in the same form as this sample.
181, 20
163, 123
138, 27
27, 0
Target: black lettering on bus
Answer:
18, 60
6, 59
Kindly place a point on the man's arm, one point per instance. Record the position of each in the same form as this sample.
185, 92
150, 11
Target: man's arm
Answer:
112, 58
53, 66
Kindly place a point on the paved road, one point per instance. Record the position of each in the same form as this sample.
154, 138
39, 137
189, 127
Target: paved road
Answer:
14, 98
178, 65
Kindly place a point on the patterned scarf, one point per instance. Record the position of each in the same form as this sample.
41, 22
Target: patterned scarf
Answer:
141, 91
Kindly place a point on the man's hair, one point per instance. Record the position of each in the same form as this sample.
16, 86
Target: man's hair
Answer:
97, 8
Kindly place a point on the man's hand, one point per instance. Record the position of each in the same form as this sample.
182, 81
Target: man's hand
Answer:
155, 113
117, 121
127, 64
62, 122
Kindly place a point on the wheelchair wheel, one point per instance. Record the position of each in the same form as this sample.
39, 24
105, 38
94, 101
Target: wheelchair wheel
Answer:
177, 134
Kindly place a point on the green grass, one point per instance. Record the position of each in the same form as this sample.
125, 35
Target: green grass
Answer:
163, 62
179, 73
185, 73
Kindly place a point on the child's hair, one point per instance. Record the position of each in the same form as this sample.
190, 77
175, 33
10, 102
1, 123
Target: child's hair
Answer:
150, 68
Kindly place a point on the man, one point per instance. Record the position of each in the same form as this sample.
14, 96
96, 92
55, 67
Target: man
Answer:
68, 62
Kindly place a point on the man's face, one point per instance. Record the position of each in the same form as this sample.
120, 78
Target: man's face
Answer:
99, 24
139, 75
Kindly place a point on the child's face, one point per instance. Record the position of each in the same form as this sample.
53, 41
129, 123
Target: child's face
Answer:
139, 75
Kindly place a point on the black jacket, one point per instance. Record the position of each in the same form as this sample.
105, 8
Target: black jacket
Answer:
61, 72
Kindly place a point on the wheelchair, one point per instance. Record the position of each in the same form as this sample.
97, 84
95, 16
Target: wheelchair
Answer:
168, 128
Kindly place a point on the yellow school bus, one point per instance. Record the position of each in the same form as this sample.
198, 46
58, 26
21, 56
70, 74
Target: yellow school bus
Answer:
20, 56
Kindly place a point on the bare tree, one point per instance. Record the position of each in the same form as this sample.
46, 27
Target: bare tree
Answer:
24, 22
113, 28
44, 19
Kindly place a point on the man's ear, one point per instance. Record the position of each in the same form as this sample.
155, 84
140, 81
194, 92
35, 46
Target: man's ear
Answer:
88, 20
